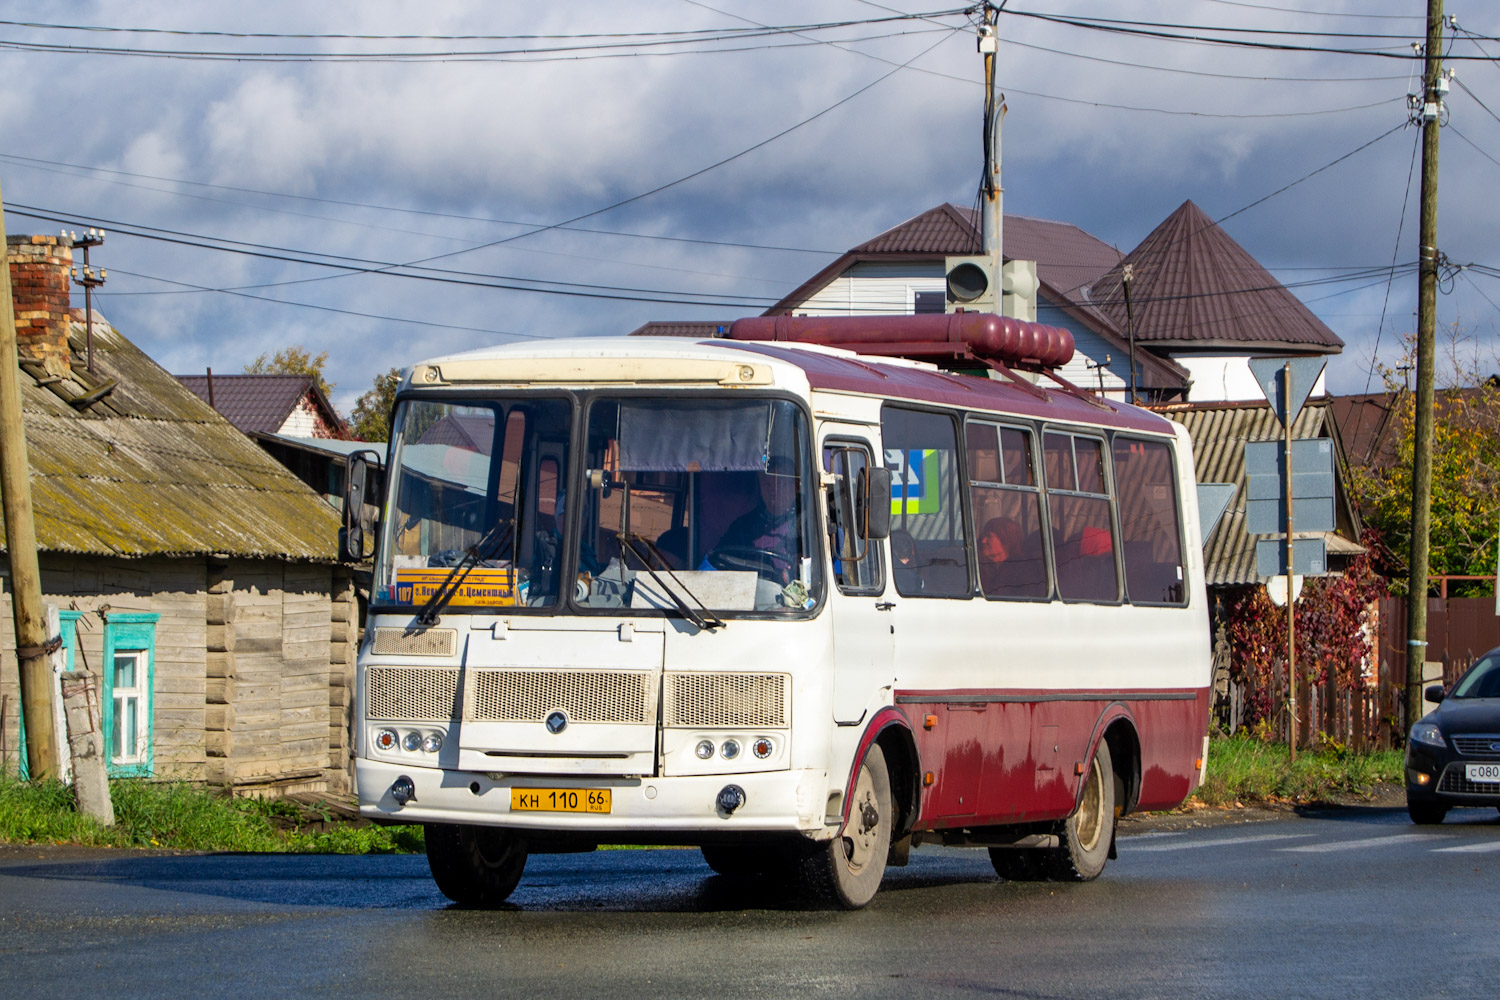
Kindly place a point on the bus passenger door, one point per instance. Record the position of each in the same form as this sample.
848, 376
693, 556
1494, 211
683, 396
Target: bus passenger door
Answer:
863, 617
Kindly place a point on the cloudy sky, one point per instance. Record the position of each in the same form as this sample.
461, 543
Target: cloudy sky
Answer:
554, 170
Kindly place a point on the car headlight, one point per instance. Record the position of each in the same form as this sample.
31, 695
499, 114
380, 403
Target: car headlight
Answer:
1429, 733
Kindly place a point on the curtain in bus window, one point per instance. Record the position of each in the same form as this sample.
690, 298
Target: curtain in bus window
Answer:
1150, 523
921, 449
1083, 540
656, 438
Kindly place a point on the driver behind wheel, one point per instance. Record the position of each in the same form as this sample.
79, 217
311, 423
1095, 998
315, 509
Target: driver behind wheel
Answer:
770, 527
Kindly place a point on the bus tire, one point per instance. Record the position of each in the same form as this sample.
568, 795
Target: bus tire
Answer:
474, 865
847, 870
1088, 834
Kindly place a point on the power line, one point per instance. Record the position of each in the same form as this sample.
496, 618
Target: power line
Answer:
1318, 13
1411, 168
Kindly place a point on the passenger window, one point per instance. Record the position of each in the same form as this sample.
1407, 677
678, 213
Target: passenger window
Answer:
1150, 522
1007, 512
1083, 539
856, 560
929, 546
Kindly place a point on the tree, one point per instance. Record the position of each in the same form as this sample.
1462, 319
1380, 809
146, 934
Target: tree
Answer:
294, 360
1465, 477
371, 419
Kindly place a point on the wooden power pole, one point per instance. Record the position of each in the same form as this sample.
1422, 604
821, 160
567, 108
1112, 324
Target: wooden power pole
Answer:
20, 542
1421, 476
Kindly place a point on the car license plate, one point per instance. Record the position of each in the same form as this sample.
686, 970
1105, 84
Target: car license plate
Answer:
1482, 772
570, 800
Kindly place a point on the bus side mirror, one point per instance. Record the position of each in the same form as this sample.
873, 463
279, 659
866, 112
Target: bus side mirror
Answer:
352, 534
877, 503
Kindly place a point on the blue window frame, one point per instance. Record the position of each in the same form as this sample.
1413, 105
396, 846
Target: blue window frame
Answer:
129, 667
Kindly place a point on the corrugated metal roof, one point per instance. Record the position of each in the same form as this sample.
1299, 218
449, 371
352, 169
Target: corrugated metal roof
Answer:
152, 470
1194, 286
1219, 433
259, 402
697, 329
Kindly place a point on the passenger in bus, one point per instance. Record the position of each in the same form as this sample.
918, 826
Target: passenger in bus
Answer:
767, 533
904, 562
1006, 568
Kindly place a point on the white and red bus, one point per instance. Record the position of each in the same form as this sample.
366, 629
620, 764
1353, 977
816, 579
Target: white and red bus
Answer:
800, 605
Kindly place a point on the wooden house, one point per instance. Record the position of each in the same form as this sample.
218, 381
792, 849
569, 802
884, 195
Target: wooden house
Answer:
193, 573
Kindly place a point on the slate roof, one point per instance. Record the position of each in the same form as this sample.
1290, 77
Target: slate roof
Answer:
151, 470
1219, 432
259, 403
1195, 287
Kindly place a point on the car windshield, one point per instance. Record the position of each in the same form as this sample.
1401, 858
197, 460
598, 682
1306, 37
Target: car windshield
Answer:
1482, 680
473, 504
698, 502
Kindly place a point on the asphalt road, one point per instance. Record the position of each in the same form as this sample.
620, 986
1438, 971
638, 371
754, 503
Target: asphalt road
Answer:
1347, 903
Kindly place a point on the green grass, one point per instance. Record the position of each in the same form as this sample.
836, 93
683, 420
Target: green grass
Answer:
181, 817
1245, 769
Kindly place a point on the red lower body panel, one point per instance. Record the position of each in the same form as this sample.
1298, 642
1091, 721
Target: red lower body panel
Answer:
1019, 756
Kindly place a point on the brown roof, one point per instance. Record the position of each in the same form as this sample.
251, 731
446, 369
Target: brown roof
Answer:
151, 470
1195, 287
1066, 256
260, 403
698, 330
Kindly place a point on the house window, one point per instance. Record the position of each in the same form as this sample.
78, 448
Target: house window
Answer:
929, 302
129, 665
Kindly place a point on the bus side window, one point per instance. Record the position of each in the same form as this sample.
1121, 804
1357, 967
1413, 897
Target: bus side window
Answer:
1083, 537
1150, 523
921, 449
856, 559
1007, 512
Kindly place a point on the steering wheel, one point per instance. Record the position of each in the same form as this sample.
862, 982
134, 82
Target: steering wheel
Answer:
748, 558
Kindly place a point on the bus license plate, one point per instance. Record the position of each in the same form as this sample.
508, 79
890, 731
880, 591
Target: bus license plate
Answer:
571, 800
1483, 772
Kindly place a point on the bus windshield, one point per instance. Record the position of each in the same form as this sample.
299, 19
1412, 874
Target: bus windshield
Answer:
707, 502
476, 484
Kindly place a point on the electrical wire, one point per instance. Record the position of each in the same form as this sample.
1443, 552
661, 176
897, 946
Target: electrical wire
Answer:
1318, 13
1411, 170
1464, 87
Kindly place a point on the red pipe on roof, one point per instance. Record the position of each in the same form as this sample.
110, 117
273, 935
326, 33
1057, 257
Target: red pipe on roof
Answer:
981, 335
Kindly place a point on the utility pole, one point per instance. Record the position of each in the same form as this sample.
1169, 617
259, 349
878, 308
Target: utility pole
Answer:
20, 541
1430, 114
992, 221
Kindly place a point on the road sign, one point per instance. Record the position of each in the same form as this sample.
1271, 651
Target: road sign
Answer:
1286, 401
1213, 500
1312, 486
1309, 557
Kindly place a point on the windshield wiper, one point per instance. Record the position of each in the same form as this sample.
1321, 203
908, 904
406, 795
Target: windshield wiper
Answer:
707, 620
460, 571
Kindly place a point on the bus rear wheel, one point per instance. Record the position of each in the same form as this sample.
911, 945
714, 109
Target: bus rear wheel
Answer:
474, 865
848, 869
1089, 832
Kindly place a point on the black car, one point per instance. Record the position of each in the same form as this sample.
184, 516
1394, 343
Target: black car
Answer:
1453, 755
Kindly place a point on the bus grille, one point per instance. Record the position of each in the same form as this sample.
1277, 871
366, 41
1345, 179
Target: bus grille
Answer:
412, 694
429, 642
585, 695
726, 700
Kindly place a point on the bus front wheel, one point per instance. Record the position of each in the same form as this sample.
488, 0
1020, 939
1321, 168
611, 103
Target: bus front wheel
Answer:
474, 865
847, 870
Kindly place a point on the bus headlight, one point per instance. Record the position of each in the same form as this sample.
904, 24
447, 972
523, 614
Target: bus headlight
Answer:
762, 747
704, 749
386, 739
433, 742
412, 741
730, 749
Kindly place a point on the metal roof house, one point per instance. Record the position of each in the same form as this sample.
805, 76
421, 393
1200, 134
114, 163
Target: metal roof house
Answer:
193, 573
291, 405
1200, 306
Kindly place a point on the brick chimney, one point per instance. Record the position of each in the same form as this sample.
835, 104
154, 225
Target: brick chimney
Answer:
40, 270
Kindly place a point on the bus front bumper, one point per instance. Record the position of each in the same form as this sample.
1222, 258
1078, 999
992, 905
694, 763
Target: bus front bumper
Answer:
773, 801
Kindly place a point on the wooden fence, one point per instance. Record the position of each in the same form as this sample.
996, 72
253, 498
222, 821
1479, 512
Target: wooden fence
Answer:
1372, 715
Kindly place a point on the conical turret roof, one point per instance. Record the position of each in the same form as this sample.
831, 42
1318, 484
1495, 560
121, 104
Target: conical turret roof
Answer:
1192, 286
